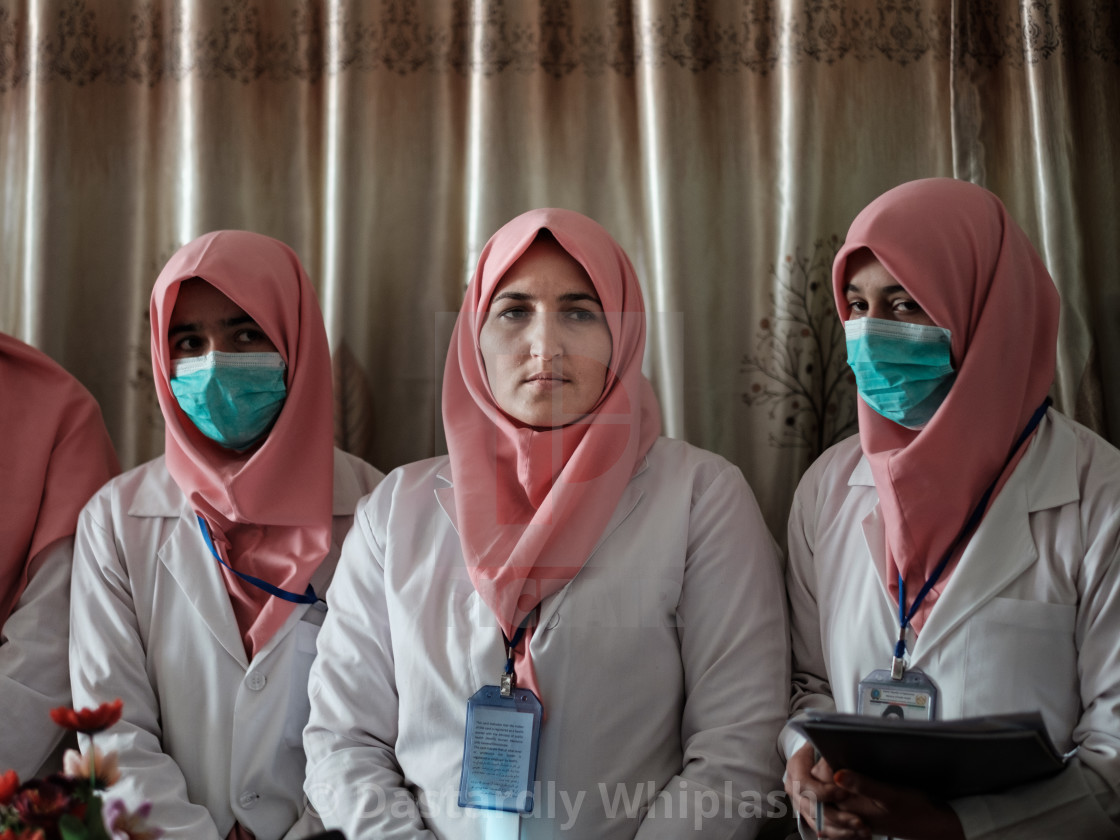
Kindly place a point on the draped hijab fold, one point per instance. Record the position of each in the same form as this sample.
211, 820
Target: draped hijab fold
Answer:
56, 455
954, 248
269, 509
531, 504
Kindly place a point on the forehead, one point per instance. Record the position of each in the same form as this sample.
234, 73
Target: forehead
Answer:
545, 269
198, 301
864, 273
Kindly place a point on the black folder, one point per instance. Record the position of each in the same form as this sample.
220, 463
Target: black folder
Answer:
943, 758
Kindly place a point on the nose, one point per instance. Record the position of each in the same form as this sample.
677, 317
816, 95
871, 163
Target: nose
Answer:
544, 336
881, 309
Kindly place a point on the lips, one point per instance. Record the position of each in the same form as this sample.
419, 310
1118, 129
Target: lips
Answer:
545, 376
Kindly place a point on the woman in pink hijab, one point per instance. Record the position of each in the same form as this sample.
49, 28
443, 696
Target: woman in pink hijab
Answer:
569, 623
960, 557
200, 576
56, 454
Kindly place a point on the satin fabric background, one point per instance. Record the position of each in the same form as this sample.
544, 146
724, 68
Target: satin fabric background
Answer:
727, 146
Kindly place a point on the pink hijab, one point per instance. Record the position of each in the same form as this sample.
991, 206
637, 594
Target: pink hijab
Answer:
56, 455
530, 505
955, 249
268, 509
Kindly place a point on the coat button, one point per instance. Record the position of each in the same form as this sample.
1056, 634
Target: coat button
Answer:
249, 799
256, 681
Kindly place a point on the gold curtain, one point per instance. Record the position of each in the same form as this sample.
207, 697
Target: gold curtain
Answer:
726, 143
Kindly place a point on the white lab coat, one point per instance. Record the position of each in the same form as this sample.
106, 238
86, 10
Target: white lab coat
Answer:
207, 737
1029, 620
662, 666
34, 676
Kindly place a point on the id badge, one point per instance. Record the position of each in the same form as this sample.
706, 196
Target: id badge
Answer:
914, 697
500, 750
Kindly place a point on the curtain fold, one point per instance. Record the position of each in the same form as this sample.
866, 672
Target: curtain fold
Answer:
727, 144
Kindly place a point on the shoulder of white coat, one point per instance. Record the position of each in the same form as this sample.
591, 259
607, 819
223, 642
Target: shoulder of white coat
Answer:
1098, 461
403, 483
834, 466
145, 491
353, 479
1079, 458
682, 463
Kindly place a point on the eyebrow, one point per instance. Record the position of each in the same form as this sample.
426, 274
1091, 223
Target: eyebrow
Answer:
888, 290
179, 329
567, 297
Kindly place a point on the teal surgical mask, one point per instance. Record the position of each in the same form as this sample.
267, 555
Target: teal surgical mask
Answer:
903, 370
232, 398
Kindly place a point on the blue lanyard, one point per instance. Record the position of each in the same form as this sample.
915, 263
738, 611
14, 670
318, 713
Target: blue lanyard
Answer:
509, 679
308, 597
904, 616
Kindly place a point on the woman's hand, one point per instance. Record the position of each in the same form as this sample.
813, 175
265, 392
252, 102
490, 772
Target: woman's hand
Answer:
808, 784
893, 811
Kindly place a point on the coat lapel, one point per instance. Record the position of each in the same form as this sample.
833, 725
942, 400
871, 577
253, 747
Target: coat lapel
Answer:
1003, 548
1000, 550
629, 500
189, 561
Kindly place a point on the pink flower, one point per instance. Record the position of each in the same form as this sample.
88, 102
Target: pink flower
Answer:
103, 768
121, 825
88, 720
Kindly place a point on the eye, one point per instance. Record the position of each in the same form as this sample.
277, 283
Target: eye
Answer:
250, 335
513, 313
907, 306
856, 306
187, 344
584, 316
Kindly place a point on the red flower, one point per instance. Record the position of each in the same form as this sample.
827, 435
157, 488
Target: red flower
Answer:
88, 720
41, 802
22, 834
9, 784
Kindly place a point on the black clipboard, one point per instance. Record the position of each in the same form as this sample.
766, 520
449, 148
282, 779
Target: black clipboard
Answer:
944, 758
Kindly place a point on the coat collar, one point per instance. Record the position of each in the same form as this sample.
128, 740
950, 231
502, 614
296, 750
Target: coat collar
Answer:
158, 495
1047, 470
1003, 547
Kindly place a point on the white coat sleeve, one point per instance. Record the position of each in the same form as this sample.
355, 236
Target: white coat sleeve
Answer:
1084, 799
811, 689
34, 674
107, 660
353, 779
734, 645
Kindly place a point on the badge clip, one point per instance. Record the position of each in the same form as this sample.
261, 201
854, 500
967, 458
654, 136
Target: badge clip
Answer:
898, 668
506, 685
898, 663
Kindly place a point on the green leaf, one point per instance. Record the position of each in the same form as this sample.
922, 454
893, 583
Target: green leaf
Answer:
71, 828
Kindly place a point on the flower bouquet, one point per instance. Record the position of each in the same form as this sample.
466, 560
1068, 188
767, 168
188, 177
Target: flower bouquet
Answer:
68, 805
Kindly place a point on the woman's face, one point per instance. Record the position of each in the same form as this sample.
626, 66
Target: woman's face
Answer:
873, 292
205, 320
545, 341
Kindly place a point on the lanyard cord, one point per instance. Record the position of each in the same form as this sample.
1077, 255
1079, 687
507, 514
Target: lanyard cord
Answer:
904, 616
509, 679
308, 597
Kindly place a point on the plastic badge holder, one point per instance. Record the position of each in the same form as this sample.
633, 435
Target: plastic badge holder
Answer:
914, 696
500, 750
